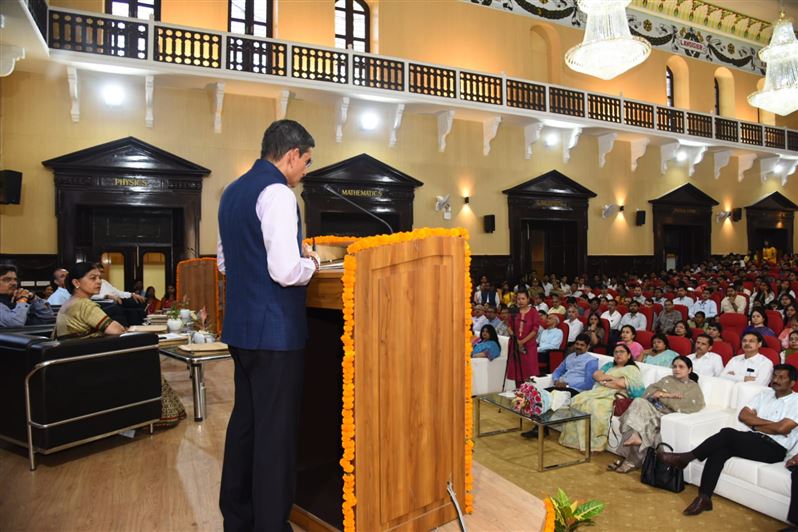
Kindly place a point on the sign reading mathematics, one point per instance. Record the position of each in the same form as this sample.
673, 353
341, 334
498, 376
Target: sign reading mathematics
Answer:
663, 34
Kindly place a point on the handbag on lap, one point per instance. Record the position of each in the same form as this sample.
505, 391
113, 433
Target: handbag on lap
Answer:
660, 475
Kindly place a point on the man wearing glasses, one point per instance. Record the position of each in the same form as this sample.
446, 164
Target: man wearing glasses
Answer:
19, 307
260, 251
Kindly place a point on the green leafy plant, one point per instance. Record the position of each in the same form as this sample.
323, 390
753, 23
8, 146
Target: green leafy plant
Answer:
564, 515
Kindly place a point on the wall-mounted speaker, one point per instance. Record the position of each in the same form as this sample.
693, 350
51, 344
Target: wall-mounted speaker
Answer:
10, 187
489, 222
737, 214
640, 218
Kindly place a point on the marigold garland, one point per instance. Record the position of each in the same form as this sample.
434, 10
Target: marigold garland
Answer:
348, 364
330, 240
551, 515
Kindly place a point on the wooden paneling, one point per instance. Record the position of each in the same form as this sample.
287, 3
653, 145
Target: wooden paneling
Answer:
618, 264
409, 406
324, 290
496, 267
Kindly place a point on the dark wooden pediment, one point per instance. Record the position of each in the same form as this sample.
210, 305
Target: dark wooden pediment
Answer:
362, 170
774, 202
685, 195
551, 183
125, 157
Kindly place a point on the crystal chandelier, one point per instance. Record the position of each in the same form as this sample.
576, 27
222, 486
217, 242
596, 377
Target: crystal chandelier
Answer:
608, 48
780, 94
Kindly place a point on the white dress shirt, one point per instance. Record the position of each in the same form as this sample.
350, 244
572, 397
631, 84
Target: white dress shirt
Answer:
575, 328
59, 297
769, 407
614, 319
284, 263
708, 307
709, 365
738, 307
686, 301
759, 365
107, 289
478, 323
637, 320
543, 307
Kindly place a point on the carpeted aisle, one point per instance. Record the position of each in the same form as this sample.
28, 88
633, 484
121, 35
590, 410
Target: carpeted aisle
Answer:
630, 504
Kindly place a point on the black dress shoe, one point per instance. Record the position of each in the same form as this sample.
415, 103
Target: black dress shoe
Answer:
699, 504
534, 433
679, 460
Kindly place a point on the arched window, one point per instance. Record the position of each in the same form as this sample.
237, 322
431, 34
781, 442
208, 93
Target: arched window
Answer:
717, 98
352, 25
250, 17
134, 8
669, 86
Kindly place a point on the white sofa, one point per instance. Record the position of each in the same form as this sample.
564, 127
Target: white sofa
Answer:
487, 376
762, 487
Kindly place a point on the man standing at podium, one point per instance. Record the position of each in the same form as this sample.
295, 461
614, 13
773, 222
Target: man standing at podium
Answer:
260, 250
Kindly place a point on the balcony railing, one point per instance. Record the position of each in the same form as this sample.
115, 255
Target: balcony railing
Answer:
136, 40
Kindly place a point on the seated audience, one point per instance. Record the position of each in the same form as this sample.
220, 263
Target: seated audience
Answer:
478, 319
153, 303
627, 337
640, 424
715, 331
699, 321
47, 292
682, 328
503, 328
556, 306
668, 318
61, 294
763, 295
792, 346
705, 305
785, 289
595, 330
705, 362
634, 317
575, 373
759, 323
659, 297
549, 339
789, 312
785, 300
507, 294
620, 376
491, 317
733, 302
751, 366
637, 295
770, 417
18, 306
168, 298
613, 317
682, 298
539, 304
108, 291
660, 353
790, 325
80, 317
575, 325
486, 294
488, 344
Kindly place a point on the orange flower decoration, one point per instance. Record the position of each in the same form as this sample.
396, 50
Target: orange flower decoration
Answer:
348, 365
551, 515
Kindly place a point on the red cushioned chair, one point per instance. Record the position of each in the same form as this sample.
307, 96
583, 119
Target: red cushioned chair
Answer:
731, 338
724, 349
731, 321
657, 308
792, 360
556, 357
602, 349
772, 354
695, 331
644, 338
775, 321
681, 345
683, 309
772, 342
623, 309
649, 314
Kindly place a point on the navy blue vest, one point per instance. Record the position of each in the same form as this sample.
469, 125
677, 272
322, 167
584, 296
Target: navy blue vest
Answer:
258, 312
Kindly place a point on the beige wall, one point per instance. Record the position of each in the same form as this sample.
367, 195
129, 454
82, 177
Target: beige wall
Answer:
35, 125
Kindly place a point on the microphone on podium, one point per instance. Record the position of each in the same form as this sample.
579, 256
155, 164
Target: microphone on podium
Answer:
337, 194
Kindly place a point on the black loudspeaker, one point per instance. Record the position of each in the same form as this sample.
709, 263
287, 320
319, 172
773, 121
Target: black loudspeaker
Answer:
737, 214
489, 222
640, 218
10, 187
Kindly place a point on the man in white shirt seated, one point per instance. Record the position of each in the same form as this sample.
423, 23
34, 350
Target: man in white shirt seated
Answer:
634, 317
478, 319
549, 339
612, 315
109, 291
750, 366
705, 362
556, 306
575, 325
491, 317
658, 298
682, 299
705, 305
539, 304
771, 417
637, 295
61, 294
733, 302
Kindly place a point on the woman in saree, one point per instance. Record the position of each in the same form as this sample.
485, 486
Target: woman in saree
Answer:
522, 360
641, 422
80, 317
621, 376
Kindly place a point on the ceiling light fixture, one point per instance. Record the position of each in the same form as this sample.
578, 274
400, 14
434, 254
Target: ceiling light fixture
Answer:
608, 48
780, 93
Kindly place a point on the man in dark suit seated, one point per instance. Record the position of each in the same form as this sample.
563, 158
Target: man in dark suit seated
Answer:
20, 307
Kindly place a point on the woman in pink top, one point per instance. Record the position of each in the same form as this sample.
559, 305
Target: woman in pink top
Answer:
522, 360
628, 335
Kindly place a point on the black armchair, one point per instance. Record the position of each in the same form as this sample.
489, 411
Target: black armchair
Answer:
56, 395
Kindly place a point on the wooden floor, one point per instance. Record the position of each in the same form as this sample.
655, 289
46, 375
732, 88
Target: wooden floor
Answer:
170, 481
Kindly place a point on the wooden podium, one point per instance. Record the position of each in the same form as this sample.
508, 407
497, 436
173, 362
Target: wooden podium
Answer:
408, 324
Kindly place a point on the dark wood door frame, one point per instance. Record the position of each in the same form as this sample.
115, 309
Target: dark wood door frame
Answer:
549, 197
774, 211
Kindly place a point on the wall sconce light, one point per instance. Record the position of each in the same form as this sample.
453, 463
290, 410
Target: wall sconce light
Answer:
442, 205
722, 216
466, 200
610, 209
